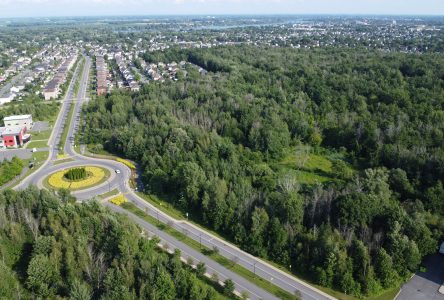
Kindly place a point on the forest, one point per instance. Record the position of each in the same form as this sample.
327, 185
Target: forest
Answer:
32, 105
53, 248
10, 169
330, 161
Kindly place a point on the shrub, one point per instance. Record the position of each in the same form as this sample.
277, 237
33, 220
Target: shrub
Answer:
118, 200
76, 174
127, 163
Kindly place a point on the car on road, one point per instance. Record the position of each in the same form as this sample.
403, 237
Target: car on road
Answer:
34, 150
118, 171
441, 249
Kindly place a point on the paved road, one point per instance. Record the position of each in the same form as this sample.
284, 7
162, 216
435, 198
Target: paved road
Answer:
425, 286
212, 267
16, 80
120, 181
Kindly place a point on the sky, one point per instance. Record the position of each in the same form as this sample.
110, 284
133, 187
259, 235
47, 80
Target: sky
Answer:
44, 8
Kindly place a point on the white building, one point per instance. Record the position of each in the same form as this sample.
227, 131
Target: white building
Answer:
6, 99
21, 120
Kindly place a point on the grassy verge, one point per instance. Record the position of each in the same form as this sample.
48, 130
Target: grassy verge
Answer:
250, 276
79, 77
64, 135
108, 194
62, 161
388, 295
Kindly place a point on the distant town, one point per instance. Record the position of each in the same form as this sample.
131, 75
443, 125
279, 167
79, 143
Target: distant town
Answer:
41, 65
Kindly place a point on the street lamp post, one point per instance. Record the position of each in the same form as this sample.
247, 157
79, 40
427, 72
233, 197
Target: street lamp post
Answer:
254, 268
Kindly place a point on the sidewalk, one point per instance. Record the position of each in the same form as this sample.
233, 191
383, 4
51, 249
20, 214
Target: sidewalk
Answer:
14, 181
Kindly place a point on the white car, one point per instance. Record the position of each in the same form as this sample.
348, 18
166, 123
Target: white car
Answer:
117, 171
441, 249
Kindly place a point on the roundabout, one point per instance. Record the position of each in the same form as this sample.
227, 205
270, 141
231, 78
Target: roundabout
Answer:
85, 177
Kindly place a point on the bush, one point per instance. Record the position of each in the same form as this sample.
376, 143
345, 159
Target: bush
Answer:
119, 200
76, 174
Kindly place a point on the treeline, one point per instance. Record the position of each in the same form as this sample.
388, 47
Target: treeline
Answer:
32, 105
53, 248
212, 145
10, 169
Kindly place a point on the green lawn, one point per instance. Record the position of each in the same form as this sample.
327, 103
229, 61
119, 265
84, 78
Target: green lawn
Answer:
38, 144
42, 135
250, 276
308, 166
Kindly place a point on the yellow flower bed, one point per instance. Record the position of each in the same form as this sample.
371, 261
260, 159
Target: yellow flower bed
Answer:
118, 200
58, 181
126, 163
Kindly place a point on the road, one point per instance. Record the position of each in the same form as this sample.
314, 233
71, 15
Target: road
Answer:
121, 182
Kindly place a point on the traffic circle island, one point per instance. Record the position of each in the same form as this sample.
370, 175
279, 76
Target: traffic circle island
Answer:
77, 178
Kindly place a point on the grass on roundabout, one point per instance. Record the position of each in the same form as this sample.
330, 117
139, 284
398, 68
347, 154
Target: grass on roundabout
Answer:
96, 176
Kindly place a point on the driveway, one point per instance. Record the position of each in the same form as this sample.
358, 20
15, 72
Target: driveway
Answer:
425, 286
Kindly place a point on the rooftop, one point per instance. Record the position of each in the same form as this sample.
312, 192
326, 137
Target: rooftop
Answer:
19, 117
13, 130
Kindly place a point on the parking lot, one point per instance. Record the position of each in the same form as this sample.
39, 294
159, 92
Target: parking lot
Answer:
39, 126
10, 153
425, 285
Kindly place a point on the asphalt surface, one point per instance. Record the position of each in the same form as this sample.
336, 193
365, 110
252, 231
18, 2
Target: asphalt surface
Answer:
121, 182
425, 285
18, 79
39, 126
8, 154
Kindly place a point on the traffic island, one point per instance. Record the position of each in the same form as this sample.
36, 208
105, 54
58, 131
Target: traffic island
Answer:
77, 178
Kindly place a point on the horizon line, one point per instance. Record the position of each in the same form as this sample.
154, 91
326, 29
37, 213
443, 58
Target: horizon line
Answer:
227, 15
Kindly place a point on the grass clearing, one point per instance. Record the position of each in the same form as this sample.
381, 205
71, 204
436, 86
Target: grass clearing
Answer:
250, 276
309, 166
